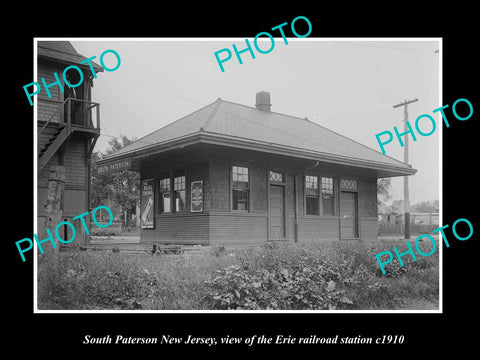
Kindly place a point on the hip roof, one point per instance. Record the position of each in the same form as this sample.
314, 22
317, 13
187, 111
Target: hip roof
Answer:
232, 124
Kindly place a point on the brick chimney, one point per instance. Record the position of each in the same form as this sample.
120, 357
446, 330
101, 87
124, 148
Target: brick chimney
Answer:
263, 101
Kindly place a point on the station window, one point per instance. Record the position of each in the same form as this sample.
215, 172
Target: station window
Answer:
327, 196
240, 188
164, 195
348, 184
311, 195
179, 190
275, 176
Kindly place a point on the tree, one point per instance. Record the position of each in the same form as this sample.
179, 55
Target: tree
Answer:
383, 188
122, 188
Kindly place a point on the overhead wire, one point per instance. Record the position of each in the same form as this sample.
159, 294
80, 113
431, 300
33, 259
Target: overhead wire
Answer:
361, 43
143, 83
159, 89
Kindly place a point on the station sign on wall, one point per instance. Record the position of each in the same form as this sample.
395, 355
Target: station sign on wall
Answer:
115, 166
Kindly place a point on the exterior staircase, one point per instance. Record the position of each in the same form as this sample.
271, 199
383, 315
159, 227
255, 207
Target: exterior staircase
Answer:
52, 145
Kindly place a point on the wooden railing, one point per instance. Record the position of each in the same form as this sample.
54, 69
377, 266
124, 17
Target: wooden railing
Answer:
77, 112
79, 116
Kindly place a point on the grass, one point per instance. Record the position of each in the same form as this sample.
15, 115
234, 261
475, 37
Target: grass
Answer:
310, 276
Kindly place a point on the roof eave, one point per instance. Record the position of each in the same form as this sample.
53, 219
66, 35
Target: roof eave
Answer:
149, 150
392, 170
85, 65
387, 170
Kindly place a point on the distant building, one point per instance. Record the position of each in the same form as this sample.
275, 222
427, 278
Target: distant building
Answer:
419, 218
397, 207
426, 206
387, 219
235, 174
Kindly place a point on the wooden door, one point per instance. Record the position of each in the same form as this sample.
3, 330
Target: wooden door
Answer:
348, 215
277, 213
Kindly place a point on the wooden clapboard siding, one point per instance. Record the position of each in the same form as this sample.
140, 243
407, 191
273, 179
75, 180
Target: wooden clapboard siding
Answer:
46, 70
74, 202
290, 223
177, 229
234, 228
290, 193
367, 197
301, 194
75, 195
43, 176
314, 228
276, 213
219, 185
207, 228
368, 228
47, 133
49, 108
75, 162
290, 205
258, 188
41, 200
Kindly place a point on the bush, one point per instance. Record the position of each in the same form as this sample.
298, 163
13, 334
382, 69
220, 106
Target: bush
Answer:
235, 288
339, 275
76, 280
106, 280
318, 276
278, 278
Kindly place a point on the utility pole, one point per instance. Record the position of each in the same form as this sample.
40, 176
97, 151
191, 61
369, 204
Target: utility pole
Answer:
406, 200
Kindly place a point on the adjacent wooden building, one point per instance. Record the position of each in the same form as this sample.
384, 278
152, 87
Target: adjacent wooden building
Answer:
235, 174
68, 125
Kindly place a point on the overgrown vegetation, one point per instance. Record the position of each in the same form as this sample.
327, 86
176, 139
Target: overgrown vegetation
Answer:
320, 276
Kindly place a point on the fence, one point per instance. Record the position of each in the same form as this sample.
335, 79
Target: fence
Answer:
399, 229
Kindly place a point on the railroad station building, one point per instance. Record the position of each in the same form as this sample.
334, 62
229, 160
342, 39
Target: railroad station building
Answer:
235, 174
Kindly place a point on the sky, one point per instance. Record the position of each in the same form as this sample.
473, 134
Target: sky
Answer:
346, 85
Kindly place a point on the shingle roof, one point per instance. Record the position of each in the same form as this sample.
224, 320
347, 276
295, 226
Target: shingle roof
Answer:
239, 124
63, 50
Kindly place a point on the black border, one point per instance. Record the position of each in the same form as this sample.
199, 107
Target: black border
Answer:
424, 333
